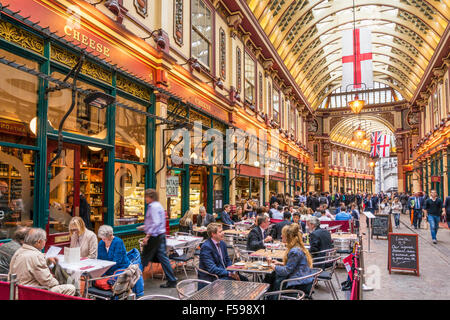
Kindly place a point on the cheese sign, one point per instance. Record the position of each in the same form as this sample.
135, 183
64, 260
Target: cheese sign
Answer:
172, 185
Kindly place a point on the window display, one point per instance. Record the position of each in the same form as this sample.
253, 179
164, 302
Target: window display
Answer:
16, 189
129, 194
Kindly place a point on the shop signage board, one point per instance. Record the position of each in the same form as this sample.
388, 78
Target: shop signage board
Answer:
381, 225
435, 179
172, 184
403, 252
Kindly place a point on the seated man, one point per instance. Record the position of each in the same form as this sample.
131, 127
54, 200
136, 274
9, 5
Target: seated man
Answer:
257, 236
225, 216
214, 257
319, 239
7, 250
276, 231
31, 267
278, 214
204, 219
343, 215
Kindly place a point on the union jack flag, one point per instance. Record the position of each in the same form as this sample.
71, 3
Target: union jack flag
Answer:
375, 142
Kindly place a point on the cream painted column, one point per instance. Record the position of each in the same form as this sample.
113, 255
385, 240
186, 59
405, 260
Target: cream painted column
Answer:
232, 185
326, 166
160, 110
164, 15
445, 174
400, 160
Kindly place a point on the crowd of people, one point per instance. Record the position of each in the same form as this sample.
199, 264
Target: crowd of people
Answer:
285, 218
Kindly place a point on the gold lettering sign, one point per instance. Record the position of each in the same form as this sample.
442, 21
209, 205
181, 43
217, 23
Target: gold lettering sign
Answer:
60, 239
84, 39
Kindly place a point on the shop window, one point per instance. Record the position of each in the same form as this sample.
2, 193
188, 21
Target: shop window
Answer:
256, 191
249, 74
201, 32
218, 196
16, 189
197, 192
18, 101
129, 194
131, 129
174, 203
84, 120
242, 190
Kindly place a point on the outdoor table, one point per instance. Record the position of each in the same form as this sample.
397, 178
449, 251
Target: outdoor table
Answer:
199, 230
256, 268
174, 243
241, 233
231, 290
94, 267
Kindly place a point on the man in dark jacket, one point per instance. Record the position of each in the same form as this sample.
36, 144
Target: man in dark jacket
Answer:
319, 239
225, 217
415, 205
214, 257
257, 236
315, 202
204, 219
276, 234
7, 250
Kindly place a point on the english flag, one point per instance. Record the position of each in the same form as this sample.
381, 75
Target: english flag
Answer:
385, 146
357, 64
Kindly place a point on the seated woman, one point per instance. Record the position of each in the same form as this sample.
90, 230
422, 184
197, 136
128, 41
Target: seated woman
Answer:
187, 221
297, 262
112, 248
237, 215
83, 238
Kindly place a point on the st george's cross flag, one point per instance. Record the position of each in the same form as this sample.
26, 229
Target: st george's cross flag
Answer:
385, 146
357, 67
375, 141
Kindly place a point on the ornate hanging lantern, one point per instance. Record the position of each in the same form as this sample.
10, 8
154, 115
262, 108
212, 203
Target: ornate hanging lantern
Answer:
356, 105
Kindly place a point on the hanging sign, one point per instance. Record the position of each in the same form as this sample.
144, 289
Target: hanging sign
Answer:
172, 184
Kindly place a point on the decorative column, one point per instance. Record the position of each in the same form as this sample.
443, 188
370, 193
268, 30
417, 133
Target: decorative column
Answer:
400, 162
326, 167
161, 111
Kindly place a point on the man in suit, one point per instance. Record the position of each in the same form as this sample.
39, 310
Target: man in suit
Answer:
319, 239
371, 205
257, 236
225, 216
214, 257
416, 204
204, 219
276, 231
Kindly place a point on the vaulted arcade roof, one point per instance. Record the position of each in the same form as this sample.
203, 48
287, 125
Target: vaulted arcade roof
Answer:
307, 36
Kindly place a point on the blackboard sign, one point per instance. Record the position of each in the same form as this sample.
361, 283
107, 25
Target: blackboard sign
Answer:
403, 252
381, 225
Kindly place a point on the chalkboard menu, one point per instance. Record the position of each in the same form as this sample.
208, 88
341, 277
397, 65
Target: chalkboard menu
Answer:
403, 252
381, 225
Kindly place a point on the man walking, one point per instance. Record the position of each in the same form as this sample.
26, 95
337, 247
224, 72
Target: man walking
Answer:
433, 211
416, 206
155, 239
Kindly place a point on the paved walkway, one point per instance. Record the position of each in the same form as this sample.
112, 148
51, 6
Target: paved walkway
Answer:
434, 266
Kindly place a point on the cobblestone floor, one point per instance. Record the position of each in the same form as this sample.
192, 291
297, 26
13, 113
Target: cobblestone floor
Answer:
434, 265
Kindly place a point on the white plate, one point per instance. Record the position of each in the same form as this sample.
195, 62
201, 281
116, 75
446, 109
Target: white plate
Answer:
264, 264
239, 264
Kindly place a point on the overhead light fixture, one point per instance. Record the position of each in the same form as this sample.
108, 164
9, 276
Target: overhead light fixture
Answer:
372, 164
33, 125
356, 105
359, 134
256, 163
353, 142
98, 99
365, 142
95, 149
218, 82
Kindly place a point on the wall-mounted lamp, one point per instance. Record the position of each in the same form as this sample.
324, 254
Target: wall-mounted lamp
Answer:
158, 38
217, 82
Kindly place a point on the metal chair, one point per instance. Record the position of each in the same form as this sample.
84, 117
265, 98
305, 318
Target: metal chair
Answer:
288, 294
197, 270
315, 274
188, 287
158, 297
329, 254
240, 253
327, 275
92, 291
185, 257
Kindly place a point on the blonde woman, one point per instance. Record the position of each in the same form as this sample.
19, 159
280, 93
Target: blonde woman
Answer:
187, 221
297, 261
83, 238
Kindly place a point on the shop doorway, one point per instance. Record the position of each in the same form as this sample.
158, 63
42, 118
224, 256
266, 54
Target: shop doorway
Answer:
198, 187
76, 189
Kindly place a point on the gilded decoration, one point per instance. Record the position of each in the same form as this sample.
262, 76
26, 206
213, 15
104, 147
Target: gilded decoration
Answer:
89, 68
21, 37
181, 111
194, 116
220, 127
132, 88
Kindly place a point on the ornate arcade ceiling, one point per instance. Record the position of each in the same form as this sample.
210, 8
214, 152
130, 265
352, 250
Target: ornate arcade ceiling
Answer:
307, 36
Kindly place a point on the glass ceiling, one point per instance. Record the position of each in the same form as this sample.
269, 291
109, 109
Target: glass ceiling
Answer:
307, 35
